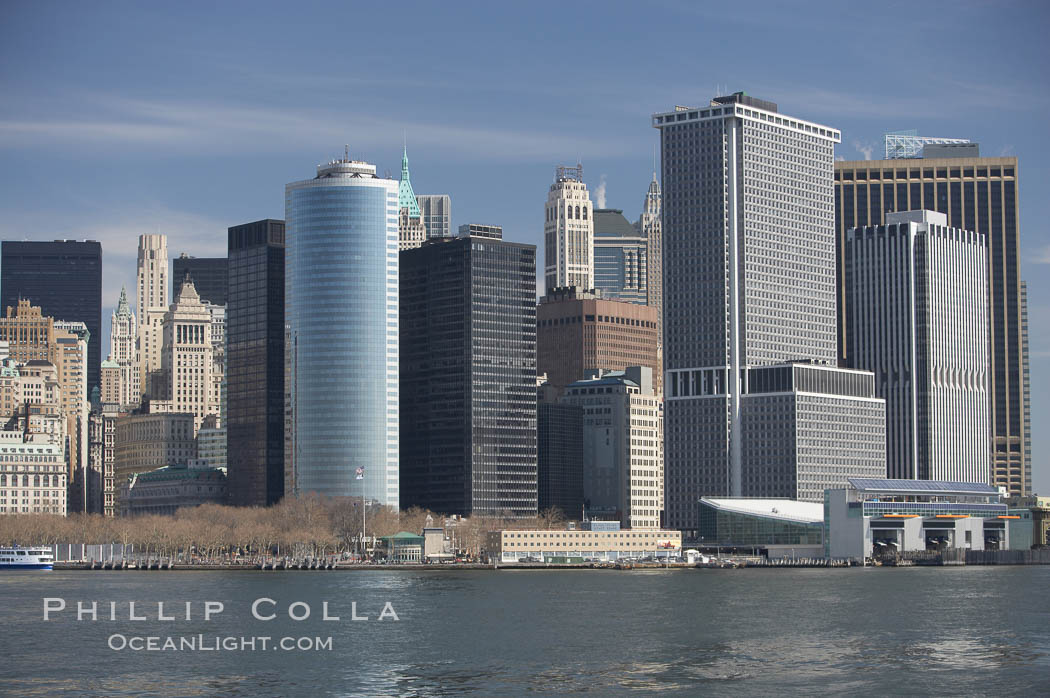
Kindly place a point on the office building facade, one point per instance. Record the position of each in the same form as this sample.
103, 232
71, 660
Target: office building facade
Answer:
650, 227
916, 300
568, 232
468, 377
621, 258
144, 442
978, 194
806, 427
152, 294
578, 330
559, 440
208, 275
63, 278
255, 363
186, 380
122, 340
437, 214
749, 280
623, 476
341, 310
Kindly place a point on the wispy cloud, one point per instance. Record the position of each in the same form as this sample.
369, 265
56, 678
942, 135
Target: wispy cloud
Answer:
220, 127
1041, 255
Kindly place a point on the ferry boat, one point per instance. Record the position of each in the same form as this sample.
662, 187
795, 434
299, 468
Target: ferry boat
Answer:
18, 558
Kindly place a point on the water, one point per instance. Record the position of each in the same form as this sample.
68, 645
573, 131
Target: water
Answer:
966, 630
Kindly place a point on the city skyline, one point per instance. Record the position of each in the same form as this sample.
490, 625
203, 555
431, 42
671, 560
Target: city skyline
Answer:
208, 123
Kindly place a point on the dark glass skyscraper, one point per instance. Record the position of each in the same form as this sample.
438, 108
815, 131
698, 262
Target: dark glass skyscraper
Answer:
255, 363
468, 376
208, 273
980, 195
64, 278
560, 463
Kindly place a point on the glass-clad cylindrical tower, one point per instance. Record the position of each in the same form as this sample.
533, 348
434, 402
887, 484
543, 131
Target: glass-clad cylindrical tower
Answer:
341, 308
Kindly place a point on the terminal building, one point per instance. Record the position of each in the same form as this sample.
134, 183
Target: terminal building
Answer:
597, 540
772, 528
874, 517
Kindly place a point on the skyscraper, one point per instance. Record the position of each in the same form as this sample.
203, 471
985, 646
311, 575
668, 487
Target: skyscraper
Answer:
437, 214
568, 232
468, 376
255, 363
623, 473
411, 230
980, 195
341, 309
63, 278
578, 330
186, 382
152, 273
559, 440
621, 258
650, 228
122, 334
916, 299
749, 281
208, 274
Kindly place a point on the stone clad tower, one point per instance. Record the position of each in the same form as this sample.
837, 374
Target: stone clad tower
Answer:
122, 341
568, 232
411, 230
152, 303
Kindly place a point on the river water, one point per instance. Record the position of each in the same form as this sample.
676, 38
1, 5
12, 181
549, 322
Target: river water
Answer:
966, 630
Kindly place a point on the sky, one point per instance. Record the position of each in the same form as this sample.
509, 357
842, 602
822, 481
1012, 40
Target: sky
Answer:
123, 118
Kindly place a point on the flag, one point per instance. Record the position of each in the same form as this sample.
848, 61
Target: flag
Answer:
360, 473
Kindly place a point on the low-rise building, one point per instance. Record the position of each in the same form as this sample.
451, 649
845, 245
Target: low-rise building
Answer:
1036, 511
33, 475
211, 442
876, 517
773, 528
604, 542
167, 489
146, 442
402, 547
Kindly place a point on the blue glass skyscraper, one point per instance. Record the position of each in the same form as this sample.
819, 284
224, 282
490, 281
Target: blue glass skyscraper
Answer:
341, 311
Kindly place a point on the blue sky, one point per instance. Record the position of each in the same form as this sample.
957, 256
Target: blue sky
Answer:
185, 118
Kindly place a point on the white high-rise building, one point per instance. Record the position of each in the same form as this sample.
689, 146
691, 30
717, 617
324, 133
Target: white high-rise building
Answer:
650, 228
185, 382
917, 308
122, 337
568, 232
152, 303
749, 281
437, 214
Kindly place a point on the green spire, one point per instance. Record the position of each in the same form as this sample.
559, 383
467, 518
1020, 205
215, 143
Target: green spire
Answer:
406, 198
122, 304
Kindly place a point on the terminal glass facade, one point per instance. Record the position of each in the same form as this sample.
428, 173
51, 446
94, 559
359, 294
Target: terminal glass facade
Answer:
739, 529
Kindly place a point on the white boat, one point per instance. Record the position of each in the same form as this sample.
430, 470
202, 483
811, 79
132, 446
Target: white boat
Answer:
18, 558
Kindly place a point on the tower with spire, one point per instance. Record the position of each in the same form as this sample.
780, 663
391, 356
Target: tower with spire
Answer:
411, 231
122, 346
649, 227
186, 381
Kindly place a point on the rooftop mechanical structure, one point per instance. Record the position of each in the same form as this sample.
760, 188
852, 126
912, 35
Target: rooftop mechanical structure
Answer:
902, 145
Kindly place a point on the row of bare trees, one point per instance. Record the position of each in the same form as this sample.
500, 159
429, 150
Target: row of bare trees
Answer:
298, 527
